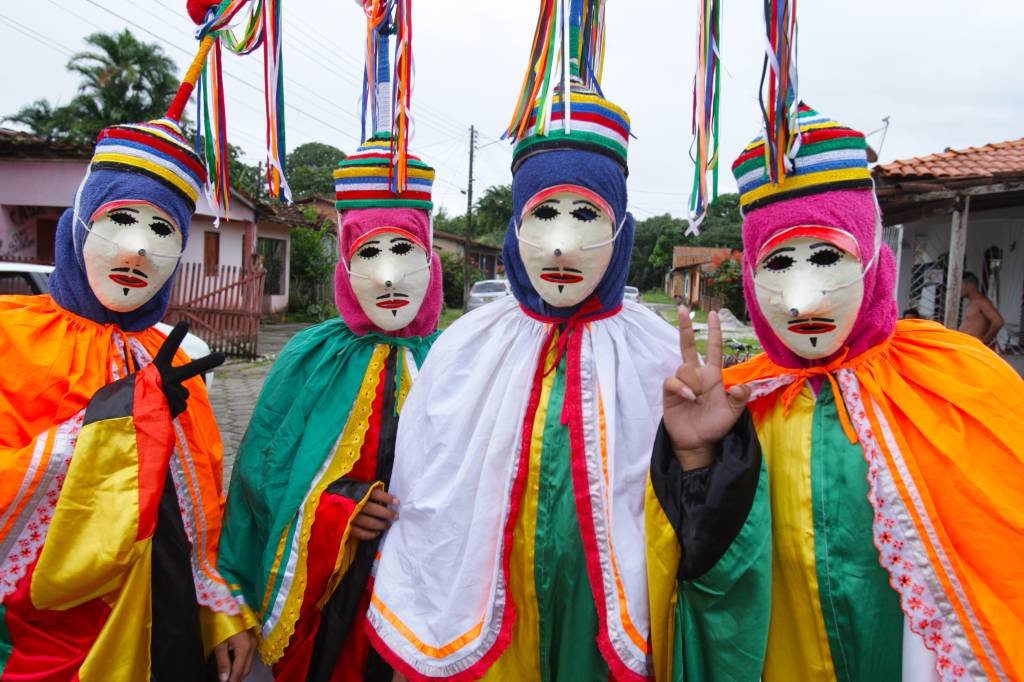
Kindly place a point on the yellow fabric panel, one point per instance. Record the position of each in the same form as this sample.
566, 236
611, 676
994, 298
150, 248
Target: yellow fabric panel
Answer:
217, 627
170, 176
521, 661
794, 182
663, 557
91, 545
121, 652
797, 639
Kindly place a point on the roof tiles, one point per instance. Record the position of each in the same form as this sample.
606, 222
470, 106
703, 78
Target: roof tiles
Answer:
990, 161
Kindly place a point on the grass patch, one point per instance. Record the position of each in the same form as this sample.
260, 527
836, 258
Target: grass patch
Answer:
448, 315
655, 296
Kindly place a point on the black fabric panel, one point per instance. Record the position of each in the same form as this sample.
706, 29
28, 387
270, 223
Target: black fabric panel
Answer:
113, 401
177, 645
562, 143
808, 191
342, 608
707, 507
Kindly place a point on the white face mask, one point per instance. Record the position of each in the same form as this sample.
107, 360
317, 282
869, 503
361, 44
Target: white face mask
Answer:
131, 249
566, 242
810, 291
390, 275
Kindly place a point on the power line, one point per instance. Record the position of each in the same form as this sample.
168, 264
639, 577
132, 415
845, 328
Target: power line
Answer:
34, 35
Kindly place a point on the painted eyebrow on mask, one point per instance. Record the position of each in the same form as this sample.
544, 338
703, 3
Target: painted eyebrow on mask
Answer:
399, 239
587, 203
777, 252
372, 241
125, 208
825, 244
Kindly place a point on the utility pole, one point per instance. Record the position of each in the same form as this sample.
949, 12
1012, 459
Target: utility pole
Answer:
469, 222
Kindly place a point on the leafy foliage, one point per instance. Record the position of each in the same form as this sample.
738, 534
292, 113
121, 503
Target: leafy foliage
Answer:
653, 242
123, 80
453, 280
312, 265
727, 284
723, 225
491, 214
310, 167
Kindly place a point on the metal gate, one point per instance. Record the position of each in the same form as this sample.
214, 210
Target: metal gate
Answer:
222, 303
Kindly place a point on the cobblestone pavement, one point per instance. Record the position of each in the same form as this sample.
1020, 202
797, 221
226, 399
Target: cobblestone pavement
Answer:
237, 384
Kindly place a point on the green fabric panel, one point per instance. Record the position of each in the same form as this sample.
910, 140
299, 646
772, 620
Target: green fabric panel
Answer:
298, 418
568, 619
722, 617
862, 612
806, 150
6, 645
555, 132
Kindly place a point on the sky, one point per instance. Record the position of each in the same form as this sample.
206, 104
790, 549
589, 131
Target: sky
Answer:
946, 74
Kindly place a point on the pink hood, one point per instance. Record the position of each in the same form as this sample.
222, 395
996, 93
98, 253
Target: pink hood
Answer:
357, 222
854, 211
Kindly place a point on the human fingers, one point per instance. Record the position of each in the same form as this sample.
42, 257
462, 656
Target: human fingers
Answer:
383, 496
220, 652
714, 354
673, 386
367, 522
739, 396
360, 534
379, 511
687, 338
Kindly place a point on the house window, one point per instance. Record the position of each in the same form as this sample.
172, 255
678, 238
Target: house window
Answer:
273, 252
211, 252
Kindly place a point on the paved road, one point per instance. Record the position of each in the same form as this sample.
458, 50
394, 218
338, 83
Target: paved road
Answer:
237, 384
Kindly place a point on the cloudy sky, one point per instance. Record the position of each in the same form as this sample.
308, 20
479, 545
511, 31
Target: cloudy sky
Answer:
947, 74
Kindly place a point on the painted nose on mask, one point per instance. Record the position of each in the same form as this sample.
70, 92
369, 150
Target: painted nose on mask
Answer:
802, 301
131, 245
386, 276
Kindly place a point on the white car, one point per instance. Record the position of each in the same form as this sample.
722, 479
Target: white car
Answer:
30, 278
631, 294
487, 291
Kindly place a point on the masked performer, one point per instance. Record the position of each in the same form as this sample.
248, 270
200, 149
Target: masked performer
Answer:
308, 495
111, 483
880, 536
521, 466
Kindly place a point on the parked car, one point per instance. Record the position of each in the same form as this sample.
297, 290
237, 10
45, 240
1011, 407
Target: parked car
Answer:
487, 291
30, 278
632, 294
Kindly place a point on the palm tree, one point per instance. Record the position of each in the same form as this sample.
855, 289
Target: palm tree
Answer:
123, 81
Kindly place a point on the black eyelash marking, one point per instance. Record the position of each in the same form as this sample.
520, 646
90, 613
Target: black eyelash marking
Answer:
369, 252
825, 258
122, 218
584, 214
779, 263
401, 248
545, 213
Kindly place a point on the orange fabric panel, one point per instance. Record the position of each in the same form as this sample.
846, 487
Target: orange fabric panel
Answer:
956, 412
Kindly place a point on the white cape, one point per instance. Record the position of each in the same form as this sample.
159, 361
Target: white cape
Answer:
440, 592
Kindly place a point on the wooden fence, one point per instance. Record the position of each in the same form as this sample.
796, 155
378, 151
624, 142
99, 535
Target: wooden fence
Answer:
223, 305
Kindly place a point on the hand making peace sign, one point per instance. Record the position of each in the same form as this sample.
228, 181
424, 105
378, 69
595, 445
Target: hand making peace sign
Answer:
173, 377
698, 411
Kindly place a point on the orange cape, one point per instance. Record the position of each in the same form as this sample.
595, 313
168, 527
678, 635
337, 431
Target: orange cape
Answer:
941, 422
53, 362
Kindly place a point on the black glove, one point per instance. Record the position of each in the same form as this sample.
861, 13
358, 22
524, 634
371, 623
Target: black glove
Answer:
173, 377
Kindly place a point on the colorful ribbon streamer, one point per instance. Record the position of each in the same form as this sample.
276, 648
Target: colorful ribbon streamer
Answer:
261, 28
387, 96
706, 95
779, 82
569, 33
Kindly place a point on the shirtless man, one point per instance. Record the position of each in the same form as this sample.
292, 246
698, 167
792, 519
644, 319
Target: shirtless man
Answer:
981, 319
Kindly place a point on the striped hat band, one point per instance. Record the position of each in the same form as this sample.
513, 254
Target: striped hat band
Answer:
156, 149
367, 179
830, 157
595, 125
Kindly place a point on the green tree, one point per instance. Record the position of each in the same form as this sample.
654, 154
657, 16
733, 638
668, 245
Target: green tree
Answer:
492, 213
123, 80
723, 225
727, 284
312, 265
653, 242
310, 169
452, 279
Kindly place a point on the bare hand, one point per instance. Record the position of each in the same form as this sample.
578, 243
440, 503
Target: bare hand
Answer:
234, 667
698, 411
376, 516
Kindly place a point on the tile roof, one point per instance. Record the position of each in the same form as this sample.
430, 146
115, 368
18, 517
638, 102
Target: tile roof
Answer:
997, 160
16, 143
689, 256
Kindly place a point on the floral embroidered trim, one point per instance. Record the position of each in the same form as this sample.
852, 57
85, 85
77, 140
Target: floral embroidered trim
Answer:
899, 545
38, 512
